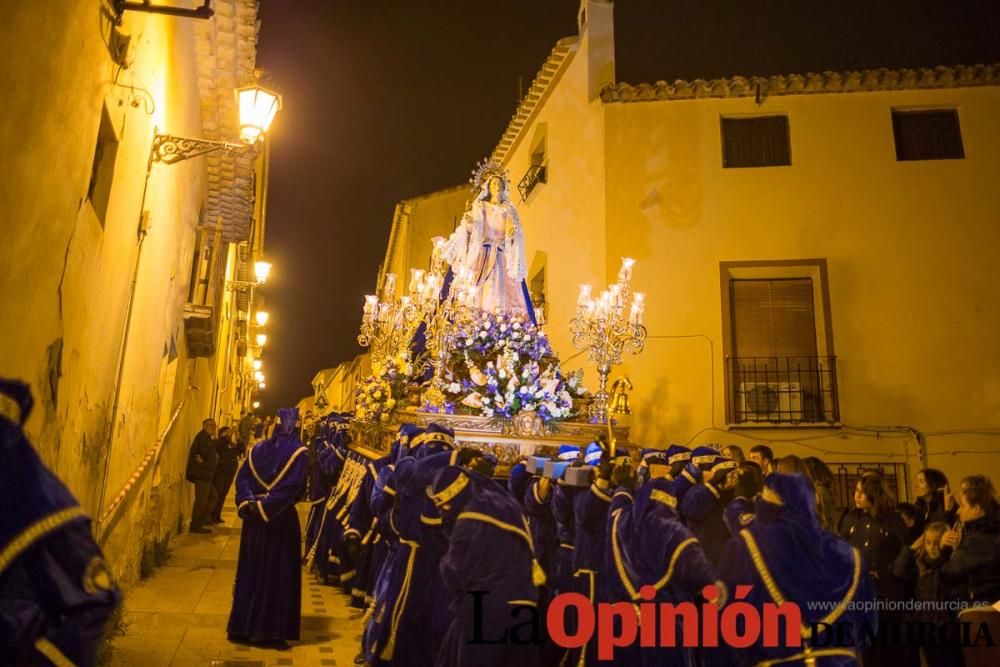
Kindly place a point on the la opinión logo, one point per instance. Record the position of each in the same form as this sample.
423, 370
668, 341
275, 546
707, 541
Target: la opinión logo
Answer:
617, 624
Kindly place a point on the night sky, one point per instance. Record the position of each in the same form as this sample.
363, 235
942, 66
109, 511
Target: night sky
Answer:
391, 99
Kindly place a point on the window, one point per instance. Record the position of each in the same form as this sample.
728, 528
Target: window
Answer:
779, 363
102, 169
927, 135
756, 142
537, 171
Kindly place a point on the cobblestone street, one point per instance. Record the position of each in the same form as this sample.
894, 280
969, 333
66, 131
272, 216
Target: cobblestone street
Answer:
178, 616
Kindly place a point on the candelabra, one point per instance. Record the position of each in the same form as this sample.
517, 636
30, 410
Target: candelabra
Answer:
444, 314
388, 322
609, 325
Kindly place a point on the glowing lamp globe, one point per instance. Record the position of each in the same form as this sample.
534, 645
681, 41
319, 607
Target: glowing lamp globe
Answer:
258, 107
262, 316
261, 385
258, 376
261, 339
261, 270
256, 404
257, 363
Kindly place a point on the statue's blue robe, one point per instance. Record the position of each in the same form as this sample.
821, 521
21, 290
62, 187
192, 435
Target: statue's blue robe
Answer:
267, 596
783, 552
55, 590
648, 545
489, 549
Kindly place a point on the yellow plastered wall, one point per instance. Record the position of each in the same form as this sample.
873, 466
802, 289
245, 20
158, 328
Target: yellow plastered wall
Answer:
913, 253
65, 278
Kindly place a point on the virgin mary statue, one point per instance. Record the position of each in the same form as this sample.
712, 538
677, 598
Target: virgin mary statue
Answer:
489, 243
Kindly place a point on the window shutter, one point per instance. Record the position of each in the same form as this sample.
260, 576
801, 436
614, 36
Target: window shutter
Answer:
927, 135
756, 142
773, 318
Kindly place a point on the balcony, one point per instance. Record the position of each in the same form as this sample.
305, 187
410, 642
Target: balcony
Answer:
199, 329
536, 174
796, 391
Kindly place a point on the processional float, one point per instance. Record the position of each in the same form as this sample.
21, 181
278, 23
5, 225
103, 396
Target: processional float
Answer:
461, 346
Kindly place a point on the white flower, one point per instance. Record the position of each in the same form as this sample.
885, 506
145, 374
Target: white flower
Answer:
454, 388
482, 334
516, 325
502, 373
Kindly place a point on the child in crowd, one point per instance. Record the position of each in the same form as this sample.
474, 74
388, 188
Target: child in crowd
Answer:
920, 566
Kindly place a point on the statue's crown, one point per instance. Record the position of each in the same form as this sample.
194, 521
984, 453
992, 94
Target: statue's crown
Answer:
485, 170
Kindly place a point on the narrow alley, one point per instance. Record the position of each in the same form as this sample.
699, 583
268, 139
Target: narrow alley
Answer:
178, 616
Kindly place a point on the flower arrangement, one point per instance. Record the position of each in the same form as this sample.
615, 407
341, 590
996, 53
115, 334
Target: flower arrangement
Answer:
501, 366
382, 391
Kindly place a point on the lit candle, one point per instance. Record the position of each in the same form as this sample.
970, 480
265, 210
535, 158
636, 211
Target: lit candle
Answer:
638, 306
616, 295
416, 277
371, 301
625, 273
584, 297
389, 288
438, 242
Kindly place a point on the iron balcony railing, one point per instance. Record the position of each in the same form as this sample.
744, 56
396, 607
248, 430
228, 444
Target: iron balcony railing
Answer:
782, 390
536, 174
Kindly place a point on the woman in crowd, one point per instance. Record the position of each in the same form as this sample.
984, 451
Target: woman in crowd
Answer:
973, 567
934, 499
734, 452
822, 478
876, 530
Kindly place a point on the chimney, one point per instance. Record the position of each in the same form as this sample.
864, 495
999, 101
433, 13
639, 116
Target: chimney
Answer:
597, 43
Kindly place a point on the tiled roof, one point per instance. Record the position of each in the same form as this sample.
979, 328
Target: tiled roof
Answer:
226, 52
806, 84
550, 72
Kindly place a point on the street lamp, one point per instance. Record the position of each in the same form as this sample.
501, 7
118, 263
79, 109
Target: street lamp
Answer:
261, 339
261, 270
262, 316
257, 363
257, 106
256, 404
258, 376
261, 385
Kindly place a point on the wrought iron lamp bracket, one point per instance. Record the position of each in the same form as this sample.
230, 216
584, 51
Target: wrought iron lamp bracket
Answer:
170, 149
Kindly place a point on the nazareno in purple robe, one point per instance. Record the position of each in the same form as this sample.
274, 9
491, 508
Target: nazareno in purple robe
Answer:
267, 595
